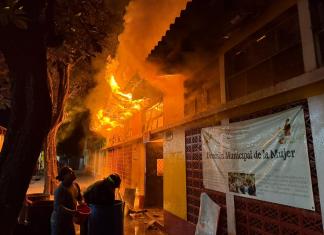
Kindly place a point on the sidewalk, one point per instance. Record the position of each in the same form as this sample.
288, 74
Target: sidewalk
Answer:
138, 226
83, 179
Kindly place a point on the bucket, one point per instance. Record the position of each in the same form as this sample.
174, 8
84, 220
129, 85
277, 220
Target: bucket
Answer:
84, 212
106, 220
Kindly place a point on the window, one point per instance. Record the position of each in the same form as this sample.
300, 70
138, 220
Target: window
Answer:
317, 10
269, 56
202, 90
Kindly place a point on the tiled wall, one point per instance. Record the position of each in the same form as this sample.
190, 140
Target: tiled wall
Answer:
253, 216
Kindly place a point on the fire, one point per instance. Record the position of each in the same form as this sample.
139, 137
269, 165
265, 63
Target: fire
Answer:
106, 121
137, 106
116, 108
123, 108
116, 89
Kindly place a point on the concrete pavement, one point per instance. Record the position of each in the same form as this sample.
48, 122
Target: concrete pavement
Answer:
137, 226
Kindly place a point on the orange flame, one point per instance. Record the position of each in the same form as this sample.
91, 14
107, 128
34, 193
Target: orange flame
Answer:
106, 121
120, 112
116, 89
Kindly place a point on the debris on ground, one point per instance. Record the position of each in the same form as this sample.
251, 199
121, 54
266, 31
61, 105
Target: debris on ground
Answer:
152, 225
133, 211
137, 215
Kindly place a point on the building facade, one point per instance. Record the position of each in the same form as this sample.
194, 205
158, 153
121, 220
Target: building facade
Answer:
223, 62
250, 60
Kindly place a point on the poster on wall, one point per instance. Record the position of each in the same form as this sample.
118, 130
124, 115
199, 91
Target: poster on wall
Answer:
264, 158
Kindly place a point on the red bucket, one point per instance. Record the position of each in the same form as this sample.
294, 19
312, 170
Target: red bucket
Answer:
84, 212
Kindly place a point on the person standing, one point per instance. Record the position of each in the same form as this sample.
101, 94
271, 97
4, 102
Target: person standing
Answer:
66, 198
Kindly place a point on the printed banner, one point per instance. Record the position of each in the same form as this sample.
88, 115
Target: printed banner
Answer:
264, 158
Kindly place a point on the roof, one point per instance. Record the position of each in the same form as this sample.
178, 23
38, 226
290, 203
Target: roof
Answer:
201, 28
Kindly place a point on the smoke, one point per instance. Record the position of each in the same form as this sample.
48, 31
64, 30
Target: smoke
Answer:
145, 23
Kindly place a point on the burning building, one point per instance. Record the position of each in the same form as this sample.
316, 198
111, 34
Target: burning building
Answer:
222, 65
128, 104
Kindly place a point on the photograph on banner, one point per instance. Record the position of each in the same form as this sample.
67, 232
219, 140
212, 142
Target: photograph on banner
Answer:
241, 183
264, 158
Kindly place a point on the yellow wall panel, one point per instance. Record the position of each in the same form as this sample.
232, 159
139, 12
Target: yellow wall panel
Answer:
174, 185
174, 176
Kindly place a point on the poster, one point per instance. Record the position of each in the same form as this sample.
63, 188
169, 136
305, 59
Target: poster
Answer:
264, 158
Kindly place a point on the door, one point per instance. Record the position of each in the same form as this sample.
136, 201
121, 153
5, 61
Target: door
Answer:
153, 182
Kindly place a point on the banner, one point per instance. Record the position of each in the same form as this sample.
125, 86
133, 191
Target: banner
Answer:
264, 158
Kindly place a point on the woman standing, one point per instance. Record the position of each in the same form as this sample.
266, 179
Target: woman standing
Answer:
66, 197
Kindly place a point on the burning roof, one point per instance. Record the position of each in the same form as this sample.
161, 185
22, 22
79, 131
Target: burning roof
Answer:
128, 83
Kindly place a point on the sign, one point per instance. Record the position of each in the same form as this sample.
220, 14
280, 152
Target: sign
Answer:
264, 158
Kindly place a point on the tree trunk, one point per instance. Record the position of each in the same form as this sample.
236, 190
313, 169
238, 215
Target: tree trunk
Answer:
59, 86
25, 54
50, 162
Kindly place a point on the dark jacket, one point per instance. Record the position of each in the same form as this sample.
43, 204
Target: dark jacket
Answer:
101, 192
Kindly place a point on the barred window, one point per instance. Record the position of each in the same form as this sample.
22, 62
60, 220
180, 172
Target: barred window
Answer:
271, 55
317, 10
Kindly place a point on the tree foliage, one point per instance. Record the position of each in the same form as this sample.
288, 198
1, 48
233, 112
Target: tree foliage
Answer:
12, 12
4, 85
75, 31
89, 28
80, 30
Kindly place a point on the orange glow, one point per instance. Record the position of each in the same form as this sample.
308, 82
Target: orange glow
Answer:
105, 121
112, 102
116, 89
137, 106
122, 108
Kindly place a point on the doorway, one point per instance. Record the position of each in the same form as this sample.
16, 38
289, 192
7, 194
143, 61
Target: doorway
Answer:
153, 175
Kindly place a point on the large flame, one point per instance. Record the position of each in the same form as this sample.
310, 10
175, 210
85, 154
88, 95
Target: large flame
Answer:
116, 89
106, 121
146, 21
124, 107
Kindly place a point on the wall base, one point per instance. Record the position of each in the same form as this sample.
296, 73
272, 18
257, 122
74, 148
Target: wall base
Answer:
175, 226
